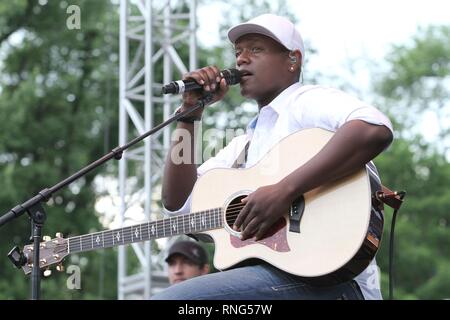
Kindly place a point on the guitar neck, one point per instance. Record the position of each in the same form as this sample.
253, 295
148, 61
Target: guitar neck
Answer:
189, 223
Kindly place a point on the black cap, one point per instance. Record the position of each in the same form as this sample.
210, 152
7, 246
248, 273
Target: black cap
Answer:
191, 250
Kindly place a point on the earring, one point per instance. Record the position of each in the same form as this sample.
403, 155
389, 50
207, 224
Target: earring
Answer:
292, 69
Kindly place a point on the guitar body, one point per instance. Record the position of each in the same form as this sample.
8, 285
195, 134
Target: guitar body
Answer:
338, 232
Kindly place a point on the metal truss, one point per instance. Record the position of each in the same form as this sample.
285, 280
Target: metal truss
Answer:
152, 33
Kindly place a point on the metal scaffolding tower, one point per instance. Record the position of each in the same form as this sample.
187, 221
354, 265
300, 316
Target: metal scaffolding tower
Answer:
150, 34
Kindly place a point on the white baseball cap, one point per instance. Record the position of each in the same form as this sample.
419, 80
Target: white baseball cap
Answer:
276, 27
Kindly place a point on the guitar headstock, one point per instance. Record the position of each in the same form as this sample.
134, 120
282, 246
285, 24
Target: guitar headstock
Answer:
52, 251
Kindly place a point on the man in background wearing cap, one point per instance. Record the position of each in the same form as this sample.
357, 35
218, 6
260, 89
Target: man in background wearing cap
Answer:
270, 53
186, 260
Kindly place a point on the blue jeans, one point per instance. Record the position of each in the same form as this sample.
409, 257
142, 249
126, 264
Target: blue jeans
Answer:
257, 282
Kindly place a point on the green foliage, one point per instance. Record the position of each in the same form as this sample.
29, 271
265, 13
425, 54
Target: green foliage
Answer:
422, 235
57, 104
417, 80
416, 83
411, 66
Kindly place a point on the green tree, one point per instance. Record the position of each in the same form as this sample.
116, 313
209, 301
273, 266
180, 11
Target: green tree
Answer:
58, 106
417, 82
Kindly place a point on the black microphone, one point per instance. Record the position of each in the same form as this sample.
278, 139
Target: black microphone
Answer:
231, 76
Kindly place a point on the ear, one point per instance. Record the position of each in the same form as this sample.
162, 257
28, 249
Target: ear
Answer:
205, 269
295, 60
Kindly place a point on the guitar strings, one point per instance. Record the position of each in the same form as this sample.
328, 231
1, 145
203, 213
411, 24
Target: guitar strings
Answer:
108, 235
236, 205
165, 224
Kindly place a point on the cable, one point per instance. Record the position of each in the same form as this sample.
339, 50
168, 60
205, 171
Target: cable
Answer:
401, 194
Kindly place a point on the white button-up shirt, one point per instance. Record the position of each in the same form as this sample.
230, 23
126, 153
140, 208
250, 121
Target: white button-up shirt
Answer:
299, 107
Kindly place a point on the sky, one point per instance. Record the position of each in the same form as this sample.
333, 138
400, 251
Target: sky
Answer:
352, 28
346, 28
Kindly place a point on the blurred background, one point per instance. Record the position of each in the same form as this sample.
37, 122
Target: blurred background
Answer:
60, 98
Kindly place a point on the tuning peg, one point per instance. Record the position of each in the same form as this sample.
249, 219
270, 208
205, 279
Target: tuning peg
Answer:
60, 267
59, 235
46, 238
47, 272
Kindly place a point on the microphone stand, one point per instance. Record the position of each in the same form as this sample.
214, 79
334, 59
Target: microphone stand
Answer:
37, 214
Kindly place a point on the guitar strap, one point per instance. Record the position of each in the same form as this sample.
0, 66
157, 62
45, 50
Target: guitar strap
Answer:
242, 157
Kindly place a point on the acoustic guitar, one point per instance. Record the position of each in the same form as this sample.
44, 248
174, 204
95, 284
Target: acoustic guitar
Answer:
329, 236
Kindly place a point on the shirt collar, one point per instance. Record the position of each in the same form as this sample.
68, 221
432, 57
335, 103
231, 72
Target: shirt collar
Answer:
251, 127
279, 103
252, 123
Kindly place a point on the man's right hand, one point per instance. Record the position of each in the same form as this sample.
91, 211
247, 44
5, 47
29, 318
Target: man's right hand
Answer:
211, 80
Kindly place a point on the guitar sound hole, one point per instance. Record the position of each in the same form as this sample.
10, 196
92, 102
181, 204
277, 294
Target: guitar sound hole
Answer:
233, 210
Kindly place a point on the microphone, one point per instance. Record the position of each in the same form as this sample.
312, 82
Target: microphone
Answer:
231, 76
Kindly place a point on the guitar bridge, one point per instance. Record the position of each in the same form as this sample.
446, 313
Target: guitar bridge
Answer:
295, 216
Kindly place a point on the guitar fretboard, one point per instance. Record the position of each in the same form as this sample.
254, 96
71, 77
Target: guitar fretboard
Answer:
182, 224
